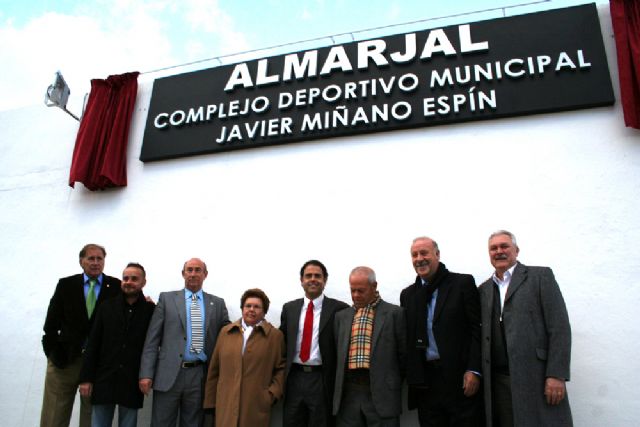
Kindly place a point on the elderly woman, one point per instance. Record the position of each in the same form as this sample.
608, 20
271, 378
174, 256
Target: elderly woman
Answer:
246, 372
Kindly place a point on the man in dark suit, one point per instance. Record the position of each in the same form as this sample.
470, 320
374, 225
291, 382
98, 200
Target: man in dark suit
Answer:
109, 374
66, 328
443, 338
307, 325
180, 340
526, 342
371, 356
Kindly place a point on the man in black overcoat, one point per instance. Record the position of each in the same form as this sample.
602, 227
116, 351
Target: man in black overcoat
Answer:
111, 364
443, 338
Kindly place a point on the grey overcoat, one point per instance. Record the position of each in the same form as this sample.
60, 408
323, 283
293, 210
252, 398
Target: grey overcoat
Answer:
538, 339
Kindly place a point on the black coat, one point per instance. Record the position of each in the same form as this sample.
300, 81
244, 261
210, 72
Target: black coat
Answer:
67, 325
456, 328
112, 359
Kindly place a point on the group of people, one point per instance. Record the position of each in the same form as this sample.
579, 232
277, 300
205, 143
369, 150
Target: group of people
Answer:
493, 355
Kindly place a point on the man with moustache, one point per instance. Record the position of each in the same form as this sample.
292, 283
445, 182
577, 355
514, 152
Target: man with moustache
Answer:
307, 325
526, 342
443, 338
180, 341
371, 355
66, 328
109, 374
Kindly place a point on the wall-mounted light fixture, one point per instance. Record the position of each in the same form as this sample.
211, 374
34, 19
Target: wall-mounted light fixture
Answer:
58, 94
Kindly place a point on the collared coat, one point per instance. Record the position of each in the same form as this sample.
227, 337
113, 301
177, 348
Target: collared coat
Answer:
112, 359
538, 338
456, 329
243, 387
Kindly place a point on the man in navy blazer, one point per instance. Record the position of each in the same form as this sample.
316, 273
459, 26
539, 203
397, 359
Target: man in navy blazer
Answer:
310, 376
443, 338
172, 363
66, 329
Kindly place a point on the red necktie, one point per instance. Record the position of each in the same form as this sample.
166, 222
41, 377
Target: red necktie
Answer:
307, 332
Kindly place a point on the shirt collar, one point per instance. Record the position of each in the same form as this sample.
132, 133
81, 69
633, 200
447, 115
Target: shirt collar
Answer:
247, 327
87, 278
506, 276
188, 294
317, 303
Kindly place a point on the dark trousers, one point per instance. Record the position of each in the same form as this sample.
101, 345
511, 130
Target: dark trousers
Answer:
442, 405
501, 405
305, 403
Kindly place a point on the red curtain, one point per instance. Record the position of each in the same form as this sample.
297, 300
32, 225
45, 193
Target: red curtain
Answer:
625, 15
100, 155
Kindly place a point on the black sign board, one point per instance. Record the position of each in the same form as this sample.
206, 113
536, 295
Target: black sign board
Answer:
527, 64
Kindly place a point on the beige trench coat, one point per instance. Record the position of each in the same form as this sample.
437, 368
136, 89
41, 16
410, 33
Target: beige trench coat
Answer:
243, 388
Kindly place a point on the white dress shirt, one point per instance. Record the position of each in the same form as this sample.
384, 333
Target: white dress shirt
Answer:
503, 285
246, 333
314, 356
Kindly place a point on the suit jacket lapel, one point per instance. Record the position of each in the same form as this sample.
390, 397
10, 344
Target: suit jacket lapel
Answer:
78, 295
443, 292
519, 275
378, 324
105, 287
295, 317
325, 314
209, 311
345, 332
180, 304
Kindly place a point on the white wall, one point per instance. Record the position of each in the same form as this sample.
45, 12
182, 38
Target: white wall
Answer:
566, 184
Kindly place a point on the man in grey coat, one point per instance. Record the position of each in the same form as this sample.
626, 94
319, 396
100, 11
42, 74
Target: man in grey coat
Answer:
371, 345
526, 342
179, 344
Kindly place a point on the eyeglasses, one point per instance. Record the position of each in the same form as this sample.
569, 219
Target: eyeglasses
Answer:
254, 306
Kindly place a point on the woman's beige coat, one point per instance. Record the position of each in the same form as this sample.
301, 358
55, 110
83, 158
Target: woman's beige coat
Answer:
242, 388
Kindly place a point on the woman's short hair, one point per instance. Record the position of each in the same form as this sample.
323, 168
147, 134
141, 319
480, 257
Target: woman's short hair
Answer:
255, 293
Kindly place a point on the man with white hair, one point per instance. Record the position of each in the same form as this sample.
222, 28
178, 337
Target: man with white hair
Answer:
526, 342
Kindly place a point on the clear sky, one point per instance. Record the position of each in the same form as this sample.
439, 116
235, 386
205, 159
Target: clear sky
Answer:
95, 38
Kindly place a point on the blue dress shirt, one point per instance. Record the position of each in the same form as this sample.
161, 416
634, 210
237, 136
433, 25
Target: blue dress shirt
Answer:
432, 348
96, 287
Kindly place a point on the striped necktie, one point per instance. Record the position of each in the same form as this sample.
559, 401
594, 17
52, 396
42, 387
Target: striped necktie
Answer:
91, 297
197, 337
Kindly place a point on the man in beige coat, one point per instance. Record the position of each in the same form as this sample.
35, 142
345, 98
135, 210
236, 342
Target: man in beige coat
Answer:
246, 373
